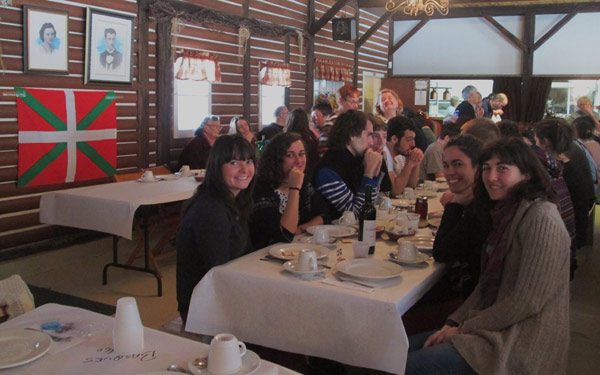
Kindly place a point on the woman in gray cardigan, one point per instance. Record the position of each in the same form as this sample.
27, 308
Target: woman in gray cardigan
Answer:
516, 321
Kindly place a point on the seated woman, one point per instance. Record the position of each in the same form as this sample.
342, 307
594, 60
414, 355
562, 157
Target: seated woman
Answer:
240, 126
460, 236
214, 228
285, 202
516, 321
297, 122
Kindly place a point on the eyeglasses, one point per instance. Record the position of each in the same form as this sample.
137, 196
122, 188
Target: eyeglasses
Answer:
214, 125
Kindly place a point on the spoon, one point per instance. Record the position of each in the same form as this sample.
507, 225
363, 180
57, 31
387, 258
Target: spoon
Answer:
200, 362
177, 368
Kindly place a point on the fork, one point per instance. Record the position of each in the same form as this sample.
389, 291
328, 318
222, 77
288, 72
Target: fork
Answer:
53, 337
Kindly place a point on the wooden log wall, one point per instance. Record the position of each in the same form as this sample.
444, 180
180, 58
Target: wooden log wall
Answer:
137, 108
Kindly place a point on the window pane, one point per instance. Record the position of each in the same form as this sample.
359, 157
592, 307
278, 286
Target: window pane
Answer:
192, 102
562, 100
271, 97
440, 107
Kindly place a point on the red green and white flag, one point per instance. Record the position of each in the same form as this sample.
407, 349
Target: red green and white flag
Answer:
65, 135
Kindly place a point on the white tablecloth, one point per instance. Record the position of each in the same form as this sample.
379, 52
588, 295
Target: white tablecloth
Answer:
110, 208
261, 303
94, 355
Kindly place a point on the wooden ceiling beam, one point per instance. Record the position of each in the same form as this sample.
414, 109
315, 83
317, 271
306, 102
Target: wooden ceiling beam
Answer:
339, 4
516, 41
412, 32
383, 19
555, 29
495, 11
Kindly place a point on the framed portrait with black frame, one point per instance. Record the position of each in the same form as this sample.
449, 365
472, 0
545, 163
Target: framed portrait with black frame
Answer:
46, 40
108, 47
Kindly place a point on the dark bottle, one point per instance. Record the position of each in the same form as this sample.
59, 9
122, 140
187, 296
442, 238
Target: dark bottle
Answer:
421, 207
366, 221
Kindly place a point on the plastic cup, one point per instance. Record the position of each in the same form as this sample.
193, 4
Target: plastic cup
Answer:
128, 331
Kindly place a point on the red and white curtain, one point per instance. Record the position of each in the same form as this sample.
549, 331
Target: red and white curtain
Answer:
199, 66
331, 70
275, 74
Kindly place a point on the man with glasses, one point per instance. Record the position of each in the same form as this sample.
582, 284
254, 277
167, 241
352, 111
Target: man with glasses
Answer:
195, 154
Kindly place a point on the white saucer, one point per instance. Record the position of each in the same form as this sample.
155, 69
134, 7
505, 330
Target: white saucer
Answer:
420, 258
20, 346
292, 265
290, 251
250, 363
156, 179
435, 221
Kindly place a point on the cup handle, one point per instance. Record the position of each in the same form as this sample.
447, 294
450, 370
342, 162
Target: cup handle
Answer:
242, 348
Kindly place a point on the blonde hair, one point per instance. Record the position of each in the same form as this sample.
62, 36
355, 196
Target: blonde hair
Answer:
584, 100
378, 110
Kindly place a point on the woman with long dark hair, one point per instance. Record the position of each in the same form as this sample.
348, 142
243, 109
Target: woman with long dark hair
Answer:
214, 228
555, 136
285, 201
297, 122
240, 126
516, 321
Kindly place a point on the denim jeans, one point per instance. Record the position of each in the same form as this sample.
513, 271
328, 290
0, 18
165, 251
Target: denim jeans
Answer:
434, 360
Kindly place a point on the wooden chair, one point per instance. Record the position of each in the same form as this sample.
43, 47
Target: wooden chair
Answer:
167, 215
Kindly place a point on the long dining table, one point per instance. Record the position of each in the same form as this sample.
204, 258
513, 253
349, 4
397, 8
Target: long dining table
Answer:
89, 347
110, 208
261, 303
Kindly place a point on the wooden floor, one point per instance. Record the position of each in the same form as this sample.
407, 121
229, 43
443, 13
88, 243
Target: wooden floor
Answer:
77, 270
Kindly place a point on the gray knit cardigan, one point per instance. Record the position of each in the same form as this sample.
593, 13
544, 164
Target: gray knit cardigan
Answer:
526, 330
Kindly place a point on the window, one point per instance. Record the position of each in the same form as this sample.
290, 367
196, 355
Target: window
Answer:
192, 102
439, 104
271, 97
562, 100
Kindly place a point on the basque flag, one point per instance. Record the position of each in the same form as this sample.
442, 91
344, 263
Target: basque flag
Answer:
65, 135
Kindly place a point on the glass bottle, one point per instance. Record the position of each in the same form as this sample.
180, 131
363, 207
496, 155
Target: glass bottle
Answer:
433, 95
366, 221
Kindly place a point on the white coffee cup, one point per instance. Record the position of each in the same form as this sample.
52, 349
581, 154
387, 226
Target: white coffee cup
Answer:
307, 260
148, 176
185, 170
128, 331
225, 354
407, 250
348, 218
408, 193
321, 236
386, 204
429, 185
361, 249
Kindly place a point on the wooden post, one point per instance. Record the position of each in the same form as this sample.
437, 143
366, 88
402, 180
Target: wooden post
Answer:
247, 95
143, 101
286, 95
310, 56
164, 95
527, 62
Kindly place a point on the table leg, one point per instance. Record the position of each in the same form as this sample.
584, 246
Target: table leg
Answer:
147, 269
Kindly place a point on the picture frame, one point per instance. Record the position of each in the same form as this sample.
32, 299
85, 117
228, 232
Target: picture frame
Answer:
45, 40
108, 47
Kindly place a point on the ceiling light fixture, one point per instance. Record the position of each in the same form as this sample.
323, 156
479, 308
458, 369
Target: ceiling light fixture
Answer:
413, 7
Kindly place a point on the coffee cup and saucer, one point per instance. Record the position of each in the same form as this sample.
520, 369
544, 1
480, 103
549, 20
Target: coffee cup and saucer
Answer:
407, 254
148, 176
306, 264
227, 356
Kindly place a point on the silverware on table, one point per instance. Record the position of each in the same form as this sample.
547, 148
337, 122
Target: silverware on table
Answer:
54, 338
344, 279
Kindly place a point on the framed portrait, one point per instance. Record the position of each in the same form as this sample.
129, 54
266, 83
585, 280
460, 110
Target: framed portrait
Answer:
46, 40
108, 47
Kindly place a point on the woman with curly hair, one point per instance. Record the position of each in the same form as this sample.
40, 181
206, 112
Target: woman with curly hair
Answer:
285, 203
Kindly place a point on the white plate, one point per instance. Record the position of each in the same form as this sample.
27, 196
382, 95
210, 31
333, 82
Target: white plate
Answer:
156, 179
441, 186
434, 222
421, 242
419, 259
369, 269
292, 266
426, 193
400, 202
332, 245
334, 230
168, 177
20, 346
250, 363
290, 251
